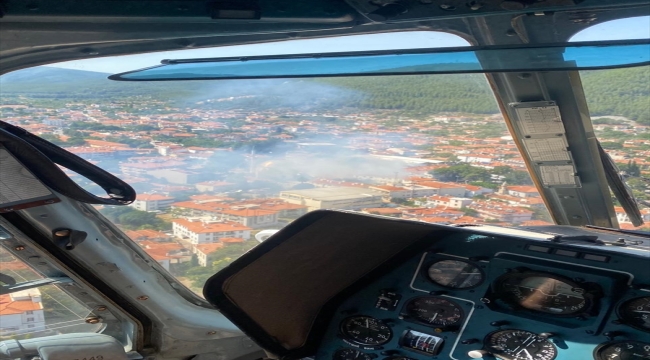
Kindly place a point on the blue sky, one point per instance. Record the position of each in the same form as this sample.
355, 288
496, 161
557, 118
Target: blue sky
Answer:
633, 28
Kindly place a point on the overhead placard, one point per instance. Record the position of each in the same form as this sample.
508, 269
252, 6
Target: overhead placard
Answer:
547, 149
558, 175
539, 120
19, 188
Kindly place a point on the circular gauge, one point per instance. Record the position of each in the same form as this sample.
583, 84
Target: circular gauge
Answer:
455, 274
542, 292
520, 345
432, 310
636, 313
366, 330
623, 350
350, 354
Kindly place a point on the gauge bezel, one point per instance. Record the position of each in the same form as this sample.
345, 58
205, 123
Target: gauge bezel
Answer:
410, 318
592, 293
486, 341
425, 270
357, 350
351, 341
600, 347
622, 317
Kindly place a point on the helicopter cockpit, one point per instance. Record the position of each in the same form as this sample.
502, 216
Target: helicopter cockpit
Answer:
325, 180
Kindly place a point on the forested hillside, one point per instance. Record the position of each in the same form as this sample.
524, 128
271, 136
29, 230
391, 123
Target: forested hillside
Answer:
468, 93
622, 92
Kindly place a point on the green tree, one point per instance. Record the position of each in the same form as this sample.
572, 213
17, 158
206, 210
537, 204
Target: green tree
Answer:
612, 145
113, 212
518, 178
461, 173
469, 211
75, 141
631, 168
54, 139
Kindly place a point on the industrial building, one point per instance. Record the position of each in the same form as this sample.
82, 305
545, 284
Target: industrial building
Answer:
349, 198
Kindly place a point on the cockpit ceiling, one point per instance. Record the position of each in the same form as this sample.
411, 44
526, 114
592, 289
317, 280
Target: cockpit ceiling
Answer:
36, 33
283, 11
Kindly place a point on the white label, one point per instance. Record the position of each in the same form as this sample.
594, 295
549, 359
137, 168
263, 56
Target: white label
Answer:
548, 149
541, 120
558, 175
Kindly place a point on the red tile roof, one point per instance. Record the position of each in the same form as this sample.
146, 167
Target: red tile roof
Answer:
8, 306
152, 197
200, 227
526, 189
208, 248
231, 240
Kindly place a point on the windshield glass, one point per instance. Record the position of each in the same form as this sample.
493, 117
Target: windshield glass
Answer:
217, 164
37, 311
620, 112
621, 119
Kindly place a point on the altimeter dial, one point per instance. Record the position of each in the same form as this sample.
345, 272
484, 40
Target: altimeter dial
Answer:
350, 354
365, 330
636, 313
433, 310
544, 293
455, 274
520, 345
623, 350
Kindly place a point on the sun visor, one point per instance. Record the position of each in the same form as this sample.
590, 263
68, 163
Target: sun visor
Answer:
19, 188
283, 292
41, 159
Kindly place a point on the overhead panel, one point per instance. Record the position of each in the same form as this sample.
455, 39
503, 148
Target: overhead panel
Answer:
405, 10
323, 11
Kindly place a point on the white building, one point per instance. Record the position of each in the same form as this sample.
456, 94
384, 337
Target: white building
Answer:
405, 192
203, 252
21, 312
522, 191
622, 217
475, 159
503, 213
431, 187
54, 122
152, 202
393, 192
250, 216
348, 198
448, 201
204, 232
472, 190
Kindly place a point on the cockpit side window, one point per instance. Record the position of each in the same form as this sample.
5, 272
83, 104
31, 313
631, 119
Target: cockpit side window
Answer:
38, 299
620, 29
619, 106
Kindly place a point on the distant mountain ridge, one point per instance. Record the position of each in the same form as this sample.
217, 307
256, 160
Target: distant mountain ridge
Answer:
622, 92
41, 74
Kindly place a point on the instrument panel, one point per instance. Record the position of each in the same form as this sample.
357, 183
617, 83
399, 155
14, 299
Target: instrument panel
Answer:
474, 296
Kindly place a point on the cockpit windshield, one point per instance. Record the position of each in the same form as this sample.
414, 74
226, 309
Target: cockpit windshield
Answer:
219, 166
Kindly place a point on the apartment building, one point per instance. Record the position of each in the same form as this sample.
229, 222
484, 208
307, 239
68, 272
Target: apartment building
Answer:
152, 202
204, 232
21, 312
